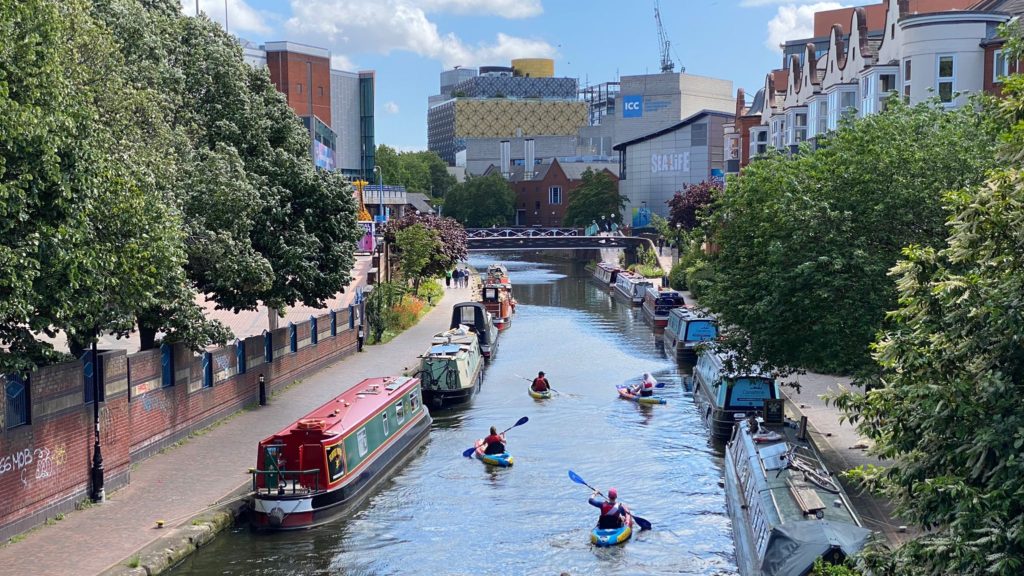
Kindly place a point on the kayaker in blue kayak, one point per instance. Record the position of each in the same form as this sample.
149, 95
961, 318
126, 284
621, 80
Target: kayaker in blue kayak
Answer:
613, 514
540, 383
495, 442
646, 386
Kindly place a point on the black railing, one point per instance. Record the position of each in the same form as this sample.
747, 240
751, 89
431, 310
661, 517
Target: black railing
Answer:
17, 401
282, 478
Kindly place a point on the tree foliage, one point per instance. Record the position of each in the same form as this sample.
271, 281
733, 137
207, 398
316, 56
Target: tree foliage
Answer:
423, 172
690, 206
481, 202
449, 249
806, 241
595, 198
416, 246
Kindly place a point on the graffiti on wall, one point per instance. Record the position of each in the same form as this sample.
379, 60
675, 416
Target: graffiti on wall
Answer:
33, 463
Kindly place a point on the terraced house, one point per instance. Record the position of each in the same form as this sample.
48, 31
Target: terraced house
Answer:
859, 57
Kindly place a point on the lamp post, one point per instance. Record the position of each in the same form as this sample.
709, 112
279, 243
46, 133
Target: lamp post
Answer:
380, 190
263, 390
97, 494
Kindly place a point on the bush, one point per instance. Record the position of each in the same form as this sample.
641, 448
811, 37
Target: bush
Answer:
407, 312
698, 277
677, 277
430, 291
821, 568
647, 271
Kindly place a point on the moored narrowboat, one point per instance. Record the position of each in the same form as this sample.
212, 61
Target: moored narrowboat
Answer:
786, 510
475, 316
686, 328
497, 299
451, 369
658, 303
323, 464
631, 286
605, 273
496, 274
721, 394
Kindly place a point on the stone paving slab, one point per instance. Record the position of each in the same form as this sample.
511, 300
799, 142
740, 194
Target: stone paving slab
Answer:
203, 472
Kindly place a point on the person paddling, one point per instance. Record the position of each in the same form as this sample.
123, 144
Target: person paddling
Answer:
540, 383
646, 386
495, 442
613, 514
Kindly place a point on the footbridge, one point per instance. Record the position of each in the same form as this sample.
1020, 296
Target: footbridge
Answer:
520, 238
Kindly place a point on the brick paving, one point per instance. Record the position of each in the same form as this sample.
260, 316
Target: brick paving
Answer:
183, 481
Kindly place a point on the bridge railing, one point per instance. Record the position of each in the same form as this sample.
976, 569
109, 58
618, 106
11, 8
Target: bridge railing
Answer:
523, 232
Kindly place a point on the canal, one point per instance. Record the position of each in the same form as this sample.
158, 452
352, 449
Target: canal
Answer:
445, 514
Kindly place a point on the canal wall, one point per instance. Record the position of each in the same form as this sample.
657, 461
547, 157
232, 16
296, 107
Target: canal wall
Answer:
148, 401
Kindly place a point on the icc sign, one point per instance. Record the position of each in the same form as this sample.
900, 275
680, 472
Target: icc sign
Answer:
632, 106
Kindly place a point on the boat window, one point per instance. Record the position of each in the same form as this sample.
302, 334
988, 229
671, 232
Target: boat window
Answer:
400, 411
361, 440
467, 316
384, 421
414, 400
749, 392
490, 294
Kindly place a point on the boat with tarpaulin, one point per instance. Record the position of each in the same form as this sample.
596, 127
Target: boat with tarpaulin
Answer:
787, 511
452, 368
658, 303
475, 316
326, 462
605, 274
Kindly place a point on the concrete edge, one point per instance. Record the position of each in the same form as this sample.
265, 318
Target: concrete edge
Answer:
174, 544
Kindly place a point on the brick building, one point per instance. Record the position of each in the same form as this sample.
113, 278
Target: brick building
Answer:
542, 195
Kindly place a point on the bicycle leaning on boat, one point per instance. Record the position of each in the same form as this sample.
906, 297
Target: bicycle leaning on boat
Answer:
810, 470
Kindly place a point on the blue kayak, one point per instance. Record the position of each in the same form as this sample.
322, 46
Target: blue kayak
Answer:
503, 460
612, 536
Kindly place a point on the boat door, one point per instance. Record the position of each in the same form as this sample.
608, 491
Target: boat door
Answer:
311, 466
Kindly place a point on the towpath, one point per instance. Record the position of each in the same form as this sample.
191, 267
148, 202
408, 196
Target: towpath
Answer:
183, 481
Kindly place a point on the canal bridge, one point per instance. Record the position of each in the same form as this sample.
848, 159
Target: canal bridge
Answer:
520, 238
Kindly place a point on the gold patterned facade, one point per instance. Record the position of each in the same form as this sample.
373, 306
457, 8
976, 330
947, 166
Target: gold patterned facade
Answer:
500, 117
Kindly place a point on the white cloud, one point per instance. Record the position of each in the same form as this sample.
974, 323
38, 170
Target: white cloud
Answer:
385, 26
503, 8
342, 62
391, 107
794, 22
241, 16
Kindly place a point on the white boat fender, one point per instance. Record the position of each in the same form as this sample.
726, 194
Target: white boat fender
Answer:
276, 516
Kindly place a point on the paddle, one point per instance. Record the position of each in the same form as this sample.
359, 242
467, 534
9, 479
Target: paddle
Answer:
469, 452
531, 382
642, 522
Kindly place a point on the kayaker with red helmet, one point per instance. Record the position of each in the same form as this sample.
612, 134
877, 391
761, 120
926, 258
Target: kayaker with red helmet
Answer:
613, 514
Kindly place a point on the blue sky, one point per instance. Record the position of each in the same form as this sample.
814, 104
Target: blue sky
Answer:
409, 42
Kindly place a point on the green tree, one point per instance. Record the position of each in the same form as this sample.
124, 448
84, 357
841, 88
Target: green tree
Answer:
422, 172
481, 201
416, 246
806, 241
596, 197
451, 240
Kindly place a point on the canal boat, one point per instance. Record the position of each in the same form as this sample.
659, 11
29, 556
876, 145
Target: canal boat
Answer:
658, 303
496, 274
605, 274
631, 286
497, 299
539, 395
326, 462
686, 328
722, 395
451, 369
786, 510
479, 321
612, 536
627, 394
503, 460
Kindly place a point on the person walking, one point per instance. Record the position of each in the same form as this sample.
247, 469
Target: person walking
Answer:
448, 279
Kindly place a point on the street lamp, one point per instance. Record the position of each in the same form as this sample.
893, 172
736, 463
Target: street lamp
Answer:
380, 189
97, 494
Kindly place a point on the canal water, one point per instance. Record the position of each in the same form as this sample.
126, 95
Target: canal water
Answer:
445, 514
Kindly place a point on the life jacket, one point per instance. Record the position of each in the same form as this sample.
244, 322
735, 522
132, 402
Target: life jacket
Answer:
540, 384
647, 388
494, 444
610, 516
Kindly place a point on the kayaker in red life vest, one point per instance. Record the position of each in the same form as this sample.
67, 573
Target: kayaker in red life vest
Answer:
646, 387
613, 514
495, 442
540, 383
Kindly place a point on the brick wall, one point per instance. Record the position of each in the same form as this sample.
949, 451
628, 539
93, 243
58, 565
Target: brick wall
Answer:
44, 466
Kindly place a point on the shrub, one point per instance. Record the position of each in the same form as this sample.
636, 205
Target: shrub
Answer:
677, 277
430, 291
698, 277
407, 312
647, 271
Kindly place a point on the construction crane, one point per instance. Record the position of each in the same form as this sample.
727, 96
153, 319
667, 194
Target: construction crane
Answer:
667, 66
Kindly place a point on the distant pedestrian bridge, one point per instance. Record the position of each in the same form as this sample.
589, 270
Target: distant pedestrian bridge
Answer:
533, 238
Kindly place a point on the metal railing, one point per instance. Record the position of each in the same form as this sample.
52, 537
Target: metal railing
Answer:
522, 232
282, 478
